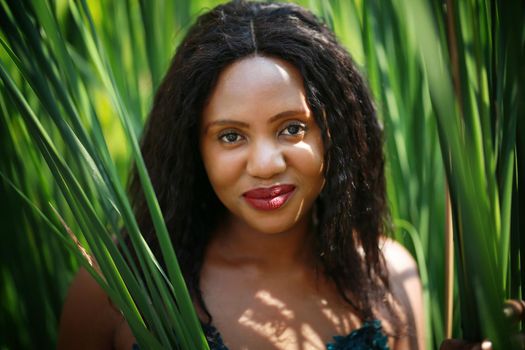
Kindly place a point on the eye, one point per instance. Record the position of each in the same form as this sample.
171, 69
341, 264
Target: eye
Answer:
294, 129
230, 137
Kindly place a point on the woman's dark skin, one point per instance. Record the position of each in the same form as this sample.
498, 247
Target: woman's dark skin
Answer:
290, 278
258, 279
90, 321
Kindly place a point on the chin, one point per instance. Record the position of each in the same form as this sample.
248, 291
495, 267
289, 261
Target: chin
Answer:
272, 227
276, 222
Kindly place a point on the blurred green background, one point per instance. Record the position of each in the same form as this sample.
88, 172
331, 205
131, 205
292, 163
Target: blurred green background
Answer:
448, 81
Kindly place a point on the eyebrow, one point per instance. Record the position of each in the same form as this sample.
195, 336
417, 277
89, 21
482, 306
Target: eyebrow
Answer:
278, 116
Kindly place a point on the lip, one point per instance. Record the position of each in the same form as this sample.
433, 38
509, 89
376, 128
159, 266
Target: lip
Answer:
270, 198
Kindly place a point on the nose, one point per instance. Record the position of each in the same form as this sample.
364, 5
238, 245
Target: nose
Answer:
265, 160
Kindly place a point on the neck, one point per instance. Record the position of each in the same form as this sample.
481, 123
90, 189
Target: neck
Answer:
238, 244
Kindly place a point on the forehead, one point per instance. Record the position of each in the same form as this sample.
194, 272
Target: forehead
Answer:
256, 85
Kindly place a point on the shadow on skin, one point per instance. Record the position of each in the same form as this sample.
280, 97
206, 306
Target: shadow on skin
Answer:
402, 296
288, 312
276, 320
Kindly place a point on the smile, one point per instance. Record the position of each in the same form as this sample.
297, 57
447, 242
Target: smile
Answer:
269, 198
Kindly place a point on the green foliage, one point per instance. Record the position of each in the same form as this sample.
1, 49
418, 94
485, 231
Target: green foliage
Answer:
90, 183
412, 52
77, 81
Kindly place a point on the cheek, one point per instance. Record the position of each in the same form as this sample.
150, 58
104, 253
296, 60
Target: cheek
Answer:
223, 169
308, 160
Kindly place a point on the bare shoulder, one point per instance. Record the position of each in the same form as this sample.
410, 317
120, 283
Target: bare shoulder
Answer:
397, 257
88, 319
407, 291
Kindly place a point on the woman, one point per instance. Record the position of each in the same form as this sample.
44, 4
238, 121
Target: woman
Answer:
266, 156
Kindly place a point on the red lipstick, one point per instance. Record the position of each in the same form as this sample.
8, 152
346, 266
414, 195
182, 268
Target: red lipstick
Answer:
269, 198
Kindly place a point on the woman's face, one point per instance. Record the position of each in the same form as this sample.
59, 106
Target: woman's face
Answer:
261, 146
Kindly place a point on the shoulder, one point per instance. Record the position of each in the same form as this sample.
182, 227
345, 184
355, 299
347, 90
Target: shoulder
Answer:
407, 291
88, 319
397, 257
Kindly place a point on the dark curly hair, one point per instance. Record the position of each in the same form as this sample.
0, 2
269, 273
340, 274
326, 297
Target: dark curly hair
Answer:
351, 210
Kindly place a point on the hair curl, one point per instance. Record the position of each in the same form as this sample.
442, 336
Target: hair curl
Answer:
351, 209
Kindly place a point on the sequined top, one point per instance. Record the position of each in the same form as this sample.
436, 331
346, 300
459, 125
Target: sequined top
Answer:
369, 336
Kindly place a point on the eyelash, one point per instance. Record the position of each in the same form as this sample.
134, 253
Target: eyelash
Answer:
301, 131
284, 132
223, 135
